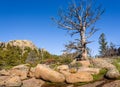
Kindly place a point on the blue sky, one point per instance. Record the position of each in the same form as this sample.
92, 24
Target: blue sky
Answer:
31, 20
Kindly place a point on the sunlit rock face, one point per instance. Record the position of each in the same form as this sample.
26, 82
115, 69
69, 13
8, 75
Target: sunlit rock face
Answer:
22, 43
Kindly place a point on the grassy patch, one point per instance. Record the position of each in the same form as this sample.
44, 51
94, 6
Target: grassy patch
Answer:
116, 62
100, 75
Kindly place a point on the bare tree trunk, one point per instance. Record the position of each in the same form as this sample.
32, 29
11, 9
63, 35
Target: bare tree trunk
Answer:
78, 19
83, 44
84, 54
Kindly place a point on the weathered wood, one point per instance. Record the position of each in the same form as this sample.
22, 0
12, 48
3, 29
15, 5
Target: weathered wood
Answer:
80, 19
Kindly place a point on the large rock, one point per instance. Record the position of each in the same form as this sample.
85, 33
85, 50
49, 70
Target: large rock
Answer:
101, 63
33, 83
84, 63
4, 72
2, 80
65, 73
37, 71
24, 67
112, 84
13, 82
113, 74
89, 70
21, 71
44, 72
31, 72
77, 77
63, 68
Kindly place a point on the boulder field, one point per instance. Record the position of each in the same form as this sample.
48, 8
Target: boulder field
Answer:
25, 76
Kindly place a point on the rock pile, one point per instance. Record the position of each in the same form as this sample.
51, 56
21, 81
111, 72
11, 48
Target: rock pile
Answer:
112, 73
26, 76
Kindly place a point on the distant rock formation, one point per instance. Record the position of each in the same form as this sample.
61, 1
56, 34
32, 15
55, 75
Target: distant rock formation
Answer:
20, 43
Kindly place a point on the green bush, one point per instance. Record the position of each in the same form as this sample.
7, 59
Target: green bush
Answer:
32, 58
12, 56
65, 60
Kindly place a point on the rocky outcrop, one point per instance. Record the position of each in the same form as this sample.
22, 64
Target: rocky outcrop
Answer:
44, 72
18, 77
20, 73
37, 72
12, 81
101, 63
32, 72
77, 77
33, 83
4, 72
20, 43
113, 74
2, 80
22, 67
112, 84
90, 70
63, 68
85, 63
20, 70
26, 76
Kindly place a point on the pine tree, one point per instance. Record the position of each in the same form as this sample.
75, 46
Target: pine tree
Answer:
103, 45
32, 58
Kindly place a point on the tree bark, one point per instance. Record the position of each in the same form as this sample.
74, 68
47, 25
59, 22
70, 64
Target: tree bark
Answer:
83, 44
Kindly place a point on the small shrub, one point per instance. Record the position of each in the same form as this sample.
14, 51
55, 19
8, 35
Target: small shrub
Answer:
54, 66
66, 60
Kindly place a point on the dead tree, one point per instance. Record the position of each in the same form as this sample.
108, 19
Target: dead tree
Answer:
80, 18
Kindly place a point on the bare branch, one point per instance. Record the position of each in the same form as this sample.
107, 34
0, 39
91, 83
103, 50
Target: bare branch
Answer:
72, 45
62, 25
73, 33
92, 31
96, 15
